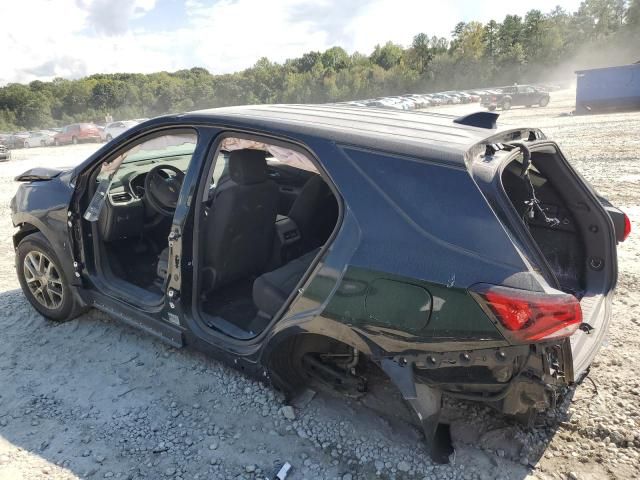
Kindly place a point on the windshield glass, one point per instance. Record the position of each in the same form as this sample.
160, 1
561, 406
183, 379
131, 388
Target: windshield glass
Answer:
176, 149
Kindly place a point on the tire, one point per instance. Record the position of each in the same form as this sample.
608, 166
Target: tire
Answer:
56, 142
109, 137
43, 143
491, 108
26, 144
36, 262
506, 105
544, 102
74, 140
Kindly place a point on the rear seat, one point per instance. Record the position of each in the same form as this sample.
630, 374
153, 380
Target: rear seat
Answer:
271, 289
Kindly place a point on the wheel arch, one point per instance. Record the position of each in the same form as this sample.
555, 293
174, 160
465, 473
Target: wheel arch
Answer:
24, 230
28, 225
280, 347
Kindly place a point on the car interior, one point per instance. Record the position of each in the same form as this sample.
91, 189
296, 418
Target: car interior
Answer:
266, 214
265, 218
141, 192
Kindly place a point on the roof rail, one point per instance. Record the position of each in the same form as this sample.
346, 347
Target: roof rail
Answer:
479, 119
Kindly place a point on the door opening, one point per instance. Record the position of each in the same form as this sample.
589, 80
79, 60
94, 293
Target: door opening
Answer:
264, 219
134, 197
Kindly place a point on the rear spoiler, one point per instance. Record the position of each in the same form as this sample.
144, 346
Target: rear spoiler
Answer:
487, 120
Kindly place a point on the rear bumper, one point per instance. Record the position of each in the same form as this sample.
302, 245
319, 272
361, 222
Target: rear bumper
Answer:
516, 380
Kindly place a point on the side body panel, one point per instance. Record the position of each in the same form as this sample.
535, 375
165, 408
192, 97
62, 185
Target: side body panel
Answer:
417, 223
45, 206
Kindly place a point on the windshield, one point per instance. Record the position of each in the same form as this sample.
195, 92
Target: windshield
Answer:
176, 149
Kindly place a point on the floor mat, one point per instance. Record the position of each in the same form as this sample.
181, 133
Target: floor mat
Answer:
138, 264
234, 303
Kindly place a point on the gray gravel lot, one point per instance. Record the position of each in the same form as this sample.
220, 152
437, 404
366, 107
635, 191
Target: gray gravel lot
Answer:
93, 398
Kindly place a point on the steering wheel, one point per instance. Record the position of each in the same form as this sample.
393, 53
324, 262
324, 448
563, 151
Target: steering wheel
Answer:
161, 189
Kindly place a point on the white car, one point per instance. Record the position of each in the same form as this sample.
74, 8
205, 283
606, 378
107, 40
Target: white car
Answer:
41, 138
113, 129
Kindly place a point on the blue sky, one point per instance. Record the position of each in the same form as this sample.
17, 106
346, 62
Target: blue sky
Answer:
73, 38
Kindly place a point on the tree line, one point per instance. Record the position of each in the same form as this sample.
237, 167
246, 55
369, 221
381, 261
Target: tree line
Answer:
539, 46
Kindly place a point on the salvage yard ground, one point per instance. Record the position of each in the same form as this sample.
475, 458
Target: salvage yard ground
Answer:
93, 398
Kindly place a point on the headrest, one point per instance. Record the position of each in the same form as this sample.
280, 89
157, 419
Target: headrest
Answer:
247, 166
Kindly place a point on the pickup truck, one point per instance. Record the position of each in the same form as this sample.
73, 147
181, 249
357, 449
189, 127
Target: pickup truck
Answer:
518, 95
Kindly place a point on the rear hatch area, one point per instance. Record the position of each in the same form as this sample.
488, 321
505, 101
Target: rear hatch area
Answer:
563, 229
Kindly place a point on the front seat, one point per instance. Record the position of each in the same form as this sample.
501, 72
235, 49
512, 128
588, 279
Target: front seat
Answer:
240, 227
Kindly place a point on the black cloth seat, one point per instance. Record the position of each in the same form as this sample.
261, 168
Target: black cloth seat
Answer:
315, 212
240, 227
240, 224
271, 289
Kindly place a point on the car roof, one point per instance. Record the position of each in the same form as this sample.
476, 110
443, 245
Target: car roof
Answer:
421, 134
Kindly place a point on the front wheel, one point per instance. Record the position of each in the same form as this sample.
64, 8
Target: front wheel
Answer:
74, 140
109, 137
42, 279
506, 105
26, 144
56, 142
544, 102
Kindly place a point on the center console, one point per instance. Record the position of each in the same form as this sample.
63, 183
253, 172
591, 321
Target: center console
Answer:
286, 245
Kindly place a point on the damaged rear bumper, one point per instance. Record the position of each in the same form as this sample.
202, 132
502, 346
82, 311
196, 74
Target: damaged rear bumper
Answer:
516, 380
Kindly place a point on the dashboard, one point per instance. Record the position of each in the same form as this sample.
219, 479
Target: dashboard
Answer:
127, 190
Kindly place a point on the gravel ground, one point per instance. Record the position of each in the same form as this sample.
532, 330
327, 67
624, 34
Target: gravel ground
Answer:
93, 398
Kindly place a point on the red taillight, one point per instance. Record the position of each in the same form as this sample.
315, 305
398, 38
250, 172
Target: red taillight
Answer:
627, 227
531, 316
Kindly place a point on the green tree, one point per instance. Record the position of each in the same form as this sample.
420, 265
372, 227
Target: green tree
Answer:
335, 58
387, 56
421, 52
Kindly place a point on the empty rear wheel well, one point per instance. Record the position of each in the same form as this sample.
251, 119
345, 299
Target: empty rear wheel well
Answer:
25, 229
285, 362
340, 367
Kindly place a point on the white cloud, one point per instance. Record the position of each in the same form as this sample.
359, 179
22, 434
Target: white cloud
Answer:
43, 39
111, 17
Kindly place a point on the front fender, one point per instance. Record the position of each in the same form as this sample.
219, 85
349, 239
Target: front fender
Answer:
44, 206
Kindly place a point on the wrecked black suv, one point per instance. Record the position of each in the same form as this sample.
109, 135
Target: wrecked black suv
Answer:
336, 244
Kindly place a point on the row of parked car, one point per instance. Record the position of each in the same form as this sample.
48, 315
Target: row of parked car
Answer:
416, 101
492, 98
70, 134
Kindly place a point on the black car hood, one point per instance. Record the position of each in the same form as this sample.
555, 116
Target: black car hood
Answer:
39, 174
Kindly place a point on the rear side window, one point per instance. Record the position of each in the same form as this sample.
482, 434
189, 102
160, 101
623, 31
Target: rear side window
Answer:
441, 204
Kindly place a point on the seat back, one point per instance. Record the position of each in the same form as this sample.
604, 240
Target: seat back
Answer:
241, 223
315, 212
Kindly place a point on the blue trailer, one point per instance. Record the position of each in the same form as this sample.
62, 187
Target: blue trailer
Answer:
608, 89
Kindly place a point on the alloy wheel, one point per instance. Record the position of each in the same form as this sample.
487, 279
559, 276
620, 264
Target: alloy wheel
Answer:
43, 279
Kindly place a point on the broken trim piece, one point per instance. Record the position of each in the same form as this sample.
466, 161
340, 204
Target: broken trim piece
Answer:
426, 403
